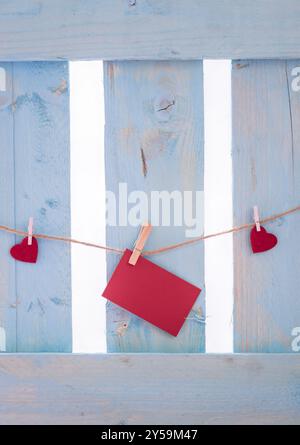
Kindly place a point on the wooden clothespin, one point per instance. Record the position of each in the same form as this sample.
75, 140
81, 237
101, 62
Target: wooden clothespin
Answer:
256, 218
140, 243
30, 231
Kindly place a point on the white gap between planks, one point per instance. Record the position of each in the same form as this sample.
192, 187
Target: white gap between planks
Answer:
88, 215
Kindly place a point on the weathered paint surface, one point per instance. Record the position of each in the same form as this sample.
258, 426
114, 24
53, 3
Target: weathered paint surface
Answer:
154, 141
34, 181
266, 160
8, 317
131, 389
148, 29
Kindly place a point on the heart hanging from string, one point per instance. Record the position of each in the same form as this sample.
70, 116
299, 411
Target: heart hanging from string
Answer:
25, 252
261, 240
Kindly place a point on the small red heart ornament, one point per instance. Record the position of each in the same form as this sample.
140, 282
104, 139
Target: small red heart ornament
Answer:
25, 252
261, 241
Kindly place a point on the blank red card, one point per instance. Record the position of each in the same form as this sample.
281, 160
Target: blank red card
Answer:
151, 293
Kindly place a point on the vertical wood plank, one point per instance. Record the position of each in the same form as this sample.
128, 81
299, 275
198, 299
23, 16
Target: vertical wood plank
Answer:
41, 295
7, 214
266, 156
154, 141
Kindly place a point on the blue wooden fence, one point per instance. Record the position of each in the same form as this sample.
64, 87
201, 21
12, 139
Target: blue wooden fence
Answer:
266, 155
154, 141
35, 305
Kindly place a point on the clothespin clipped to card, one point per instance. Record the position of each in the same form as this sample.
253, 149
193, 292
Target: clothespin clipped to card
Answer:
256, 218
30, 231
140, 243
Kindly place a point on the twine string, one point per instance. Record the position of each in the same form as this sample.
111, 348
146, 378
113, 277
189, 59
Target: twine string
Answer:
154, 251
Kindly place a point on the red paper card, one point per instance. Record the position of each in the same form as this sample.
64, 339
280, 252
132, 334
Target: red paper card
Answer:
151, 293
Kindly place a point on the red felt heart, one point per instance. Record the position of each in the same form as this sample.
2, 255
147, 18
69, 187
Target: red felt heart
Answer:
24, 252
261, 241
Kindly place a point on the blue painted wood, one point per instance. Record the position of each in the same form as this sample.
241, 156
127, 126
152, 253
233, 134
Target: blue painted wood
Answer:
154, 141
133, 389
148, 29
266, 159
37, 298
7, 215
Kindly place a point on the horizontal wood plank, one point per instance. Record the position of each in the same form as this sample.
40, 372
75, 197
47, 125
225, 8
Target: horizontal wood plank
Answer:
149, 389
149, 29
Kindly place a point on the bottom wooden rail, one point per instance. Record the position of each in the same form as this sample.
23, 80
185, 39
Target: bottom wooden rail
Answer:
110, 389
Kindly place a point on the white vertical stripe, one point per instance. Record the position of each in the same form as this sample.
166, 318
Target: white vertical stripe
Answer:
88, 205
218, 205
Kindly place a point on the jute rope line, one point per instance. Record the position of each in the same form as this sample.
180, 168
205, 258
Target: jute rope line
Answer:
155, 251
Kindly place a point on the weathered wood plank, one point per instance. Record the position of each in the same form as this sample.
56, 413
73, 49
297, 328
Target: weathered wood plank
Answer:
149, 29
149, 389
154, 142
7, 213
266, 156
36, 299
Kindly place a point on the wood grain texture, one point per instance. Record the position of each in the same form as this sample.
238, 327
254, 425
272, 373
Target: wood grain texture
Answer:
154, 142
266, 159
36, 299
148, 29
148, 389
8, 318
